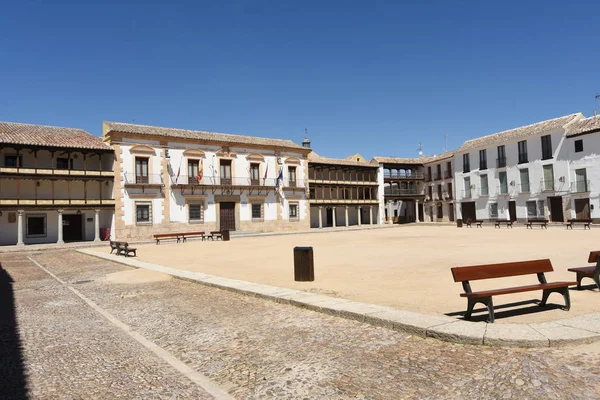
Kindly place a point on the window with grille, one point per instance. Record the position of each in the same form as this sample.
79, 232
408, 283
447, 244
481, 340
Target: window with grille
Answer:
293, 209
257, 211
503, 182
482, 159
196, 212
523, 152
466, 163
36, 226
579, 146
546, 147
484, 185
493, 210
524, 174
143, 213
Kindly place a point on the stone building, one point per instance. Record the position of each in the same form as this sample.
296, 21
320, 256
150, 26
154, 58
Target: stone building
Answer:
176, 180
56, 185
343, 192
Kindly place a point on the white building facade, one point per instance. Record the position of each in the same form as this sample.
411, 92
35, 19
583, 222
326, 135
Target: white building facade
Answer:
520, 174
439, 188
172, 180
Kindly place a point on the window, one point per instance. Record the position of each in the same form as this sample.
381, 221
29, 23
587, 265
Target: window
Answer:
36, 226
292, 176
482, 159
225, 172
493, 210
535, 209
439, 171
501, 161
196, 212
257, 211
439, 190
468, 187
548, 178
254, 174
581, 184
546, 147
579, 146
10, 161
522, 151
293, 207
524, 175
193, 172
143, 213
484, 185
429, 177
449, 169
430, 188
141, 170
64, 163
503, 182
466, 166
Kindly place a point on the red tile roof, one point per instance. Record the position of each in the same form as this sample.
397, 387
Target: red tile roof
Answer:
49, 136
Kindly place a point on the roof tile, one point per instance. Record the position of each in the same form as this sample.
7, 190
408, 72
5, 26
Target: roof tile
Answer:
50, 136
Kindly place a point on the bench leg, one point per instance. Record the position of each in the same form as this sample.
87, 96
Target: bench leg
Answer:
487, 301
565, 293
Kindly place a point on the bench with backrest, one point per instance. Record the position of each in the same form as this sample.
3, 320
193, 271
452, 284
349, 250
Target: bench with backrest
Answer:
113, 246
167, 236
478, 222
499, 222
503, 270
216, 235
543, 223
190, 235
587, 223
589, 272
123, 249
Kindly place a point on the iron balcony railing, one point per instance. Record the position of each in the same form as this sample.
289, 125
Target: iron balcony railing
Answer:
438, 177
502, 189
501, 162
547, 186
524, 188
448, 175
484, 191
403, 192
483, 165
580, 187
467, 194
187, 180
403, 175
148, 179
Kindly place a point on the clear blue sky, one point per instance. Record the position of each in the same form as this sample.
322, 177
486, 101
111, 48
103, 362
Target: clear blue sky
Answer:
363, 76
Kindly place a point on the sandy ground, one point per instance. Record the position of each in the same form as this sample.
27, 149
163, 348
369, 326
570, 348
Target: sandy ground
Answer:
407, 267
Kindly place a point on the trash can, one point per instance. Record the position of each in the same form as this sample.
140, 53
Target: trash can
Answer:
459, 223
304, 267
226, 235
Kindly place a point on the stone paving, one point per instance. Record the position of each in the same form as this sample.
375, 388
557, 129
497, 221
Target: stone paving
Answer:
251, 347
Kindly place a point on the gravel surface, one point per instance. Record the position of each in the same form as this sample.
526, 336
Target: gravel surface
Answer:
252, 348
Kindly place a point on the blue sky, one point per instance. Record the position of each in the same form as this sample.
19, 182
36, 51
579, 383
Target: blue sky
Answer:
371, 77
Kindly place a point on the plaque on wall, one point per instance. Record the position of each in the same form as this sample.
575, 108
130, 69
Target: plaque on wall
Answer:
90, 220
12, 217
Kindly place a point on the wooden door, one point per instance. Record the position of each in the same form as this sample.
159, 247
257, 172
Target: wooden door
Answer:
226, 178
451, 212
72, 227
582, 208
468, 211
141, 170
512, 210
556, 210
227, 216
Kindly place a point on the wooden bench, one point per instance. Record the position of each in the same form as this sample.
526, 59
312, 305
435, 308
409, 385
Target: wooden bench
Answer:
123, 249
589, 272
216, 235
167, 236
190, 235
479, 223
543, 223
113, 246
477, 272
499, 222
587, 223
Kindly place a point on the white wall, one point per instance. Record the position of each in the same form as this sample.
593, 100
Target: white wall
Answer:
589, 159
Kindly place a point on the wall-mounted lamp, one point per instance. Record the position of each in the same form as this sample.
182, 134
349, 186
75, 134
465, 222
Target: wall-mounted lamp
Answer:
561, 179
78, 211
0, 213
106, 183
37, 184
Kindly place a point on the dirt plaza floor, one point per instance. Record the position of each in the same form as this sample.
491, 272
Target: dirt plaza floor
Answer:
406, 267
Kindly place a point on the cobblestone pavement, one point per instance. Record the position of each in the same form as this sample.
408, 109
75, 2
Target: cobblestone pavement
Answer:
255, 348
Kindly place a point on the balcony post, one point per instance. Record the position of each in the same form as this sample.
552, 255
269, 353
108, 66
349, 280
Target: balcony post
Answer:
359, 216
320, 217
96, 225
346, 219
20, 228
60, 227
371, 218
417, 211
333, 217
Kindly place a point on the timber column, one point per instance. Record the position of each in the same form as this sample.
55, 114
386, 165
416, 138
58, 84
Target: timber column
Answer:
96, 226
346, 216
60, 227
20, 228
320, 217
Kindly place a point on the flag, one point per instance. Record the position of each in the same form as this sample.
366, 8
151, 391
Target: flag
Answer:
266, 172
200, 173
279, 183
178, 172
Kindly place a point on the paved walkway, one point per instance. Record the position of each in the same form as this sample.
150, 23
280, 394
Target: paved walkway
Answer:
249, 347
576, 330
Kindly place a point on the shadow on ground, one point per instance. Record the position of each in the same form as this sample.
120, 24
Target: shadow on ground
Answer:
481, 314
12, 372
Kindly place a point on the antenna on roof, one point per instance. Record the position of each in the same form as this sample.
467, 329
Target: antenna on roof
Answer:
445, 143
420, 149
596, 107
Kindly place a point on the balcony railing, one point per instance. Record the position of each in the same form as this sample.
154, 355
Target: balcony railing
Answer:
7, 199
185, 180
502, 189
484, 191
447, 195
403, 192
403, 175
580, 187
53, 171
501, 162
143, 180
547, 186
524, 188
483, 165
448, 175
438, 177
467, 194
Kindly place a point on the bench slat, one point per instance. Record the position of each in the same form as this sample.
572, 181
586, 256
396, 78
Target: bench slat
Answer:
502, 270
518, 289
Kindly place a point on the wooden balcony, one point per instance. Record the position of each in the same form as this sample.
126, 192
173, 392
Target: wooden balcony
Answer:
391, 176
40, 173
344, 201
56, 202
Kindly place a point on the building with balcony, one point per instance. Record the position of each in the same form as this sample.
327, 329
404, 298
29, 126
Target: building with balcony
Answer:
176, 180
439, 188
56, 185
520, 174
403, 183
343, 192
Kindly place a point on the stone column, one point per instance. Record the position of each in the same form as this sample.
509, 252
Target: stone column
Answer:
373, 218
96, 225
320, 217
417, 211
370, 215
333, 215
60, 227
20, 228
347, 216
390, 213
359, 216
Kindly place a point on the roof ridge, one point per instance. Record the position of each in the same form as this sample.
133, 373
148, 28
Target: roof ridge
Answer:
45, 126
